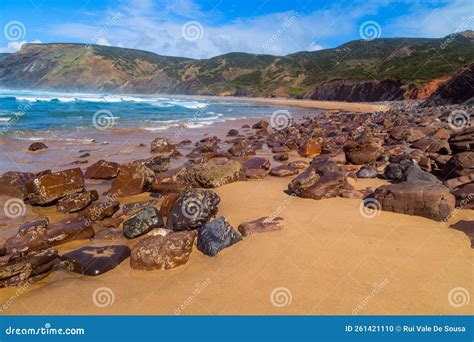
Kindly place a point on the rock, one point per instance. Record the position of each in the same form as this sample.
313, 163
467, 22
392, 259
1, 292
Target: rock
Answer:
262, 124
157, 164
162, 252
39, 234
192, 209
407, 134
408, 171
283, 171
162, 145
431, 144
242, 148
48, 188
309, 148
16, 272
142, 222
462, 141
366, 172
466, 227
465, 196
233, 133
214, 173
257, 167
97, 211
13, 183
425, 199
261, 225
134, 207
299, 164
461, 164
102, 170
36, 146
133, 179
362, 152
109, 234
168, 202
281, 156
76, 202
352, 194
280, 149
94, 261
328, 185
85, 155
216, 235
454, 183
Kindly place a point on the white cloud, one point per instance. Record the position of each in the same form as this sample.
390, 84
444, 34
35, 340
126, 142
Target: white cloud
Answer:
15, 46
314, 47
103, 41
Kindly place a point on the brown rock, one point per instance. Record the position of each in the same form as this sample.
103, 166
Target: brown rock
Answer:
36, 146
262, 124
162, 252
168, 202
461, 164
134, 207
281, 156
102, 170
309, 148
48, 188
76, 202
283, 171
162, 145
13, 183
214, 173
257, 167
133, 179
261, 225
462, 141
425, 199
97, 211
364, 152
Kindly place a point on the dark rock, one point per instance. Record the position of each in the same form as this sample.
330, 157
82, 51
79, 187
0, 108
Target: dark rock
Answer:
281, 156
163, 252
425, 199
262, 124
461, 164
462, 141
94, 261
85, 155
192, 209
216, 235
465, 196
102, 170
48, 188
36, 146
142, 222
76, 202
233, 133
466, 227
408, 171
261, 225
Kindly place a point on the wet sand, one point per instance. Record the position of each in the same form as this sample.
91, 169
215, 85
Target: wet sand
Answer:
328, 259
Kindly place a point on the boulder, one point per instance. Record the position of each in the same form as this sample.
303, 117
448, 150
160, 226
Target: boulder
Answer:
432, 144
76, 202
461, 164
134, 207
242, 148
366, 172
426, 199
281, 157
233, 133
257, 167
36, 146
13, 183
102, 170
168, 202
216, 235
214, 173
462, 141
99, 210
162, 252
16, 272
363, 152
142, 222
48, 188
465, 196
262, 124
39, 234
408, 171
162, 145
284, 171
94, 261
157, 164
133, 179
192, 209
261, 225
309, 148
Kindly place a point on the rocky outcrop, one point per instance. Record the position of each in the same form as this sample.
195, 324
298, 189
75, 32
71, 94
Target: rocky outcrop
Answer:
214, 173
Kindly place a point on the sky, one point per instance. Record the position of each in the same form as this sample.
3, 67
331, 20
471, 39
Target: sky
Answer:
206, 28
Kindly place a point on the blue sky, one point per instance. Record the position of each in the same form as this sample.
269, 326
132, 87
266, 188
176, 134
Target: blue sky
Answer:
205, 28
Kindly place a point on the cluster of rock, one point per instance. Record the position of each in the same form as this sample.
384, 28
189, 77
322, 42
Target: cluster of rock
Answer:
429, 164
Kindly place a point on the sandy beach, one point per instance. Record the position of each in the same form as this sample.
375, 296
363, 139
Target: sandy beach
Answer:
328, 259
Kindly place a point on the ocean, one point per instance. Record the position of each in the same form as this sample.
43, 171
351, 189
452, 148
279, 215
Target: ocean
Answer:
23, 110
